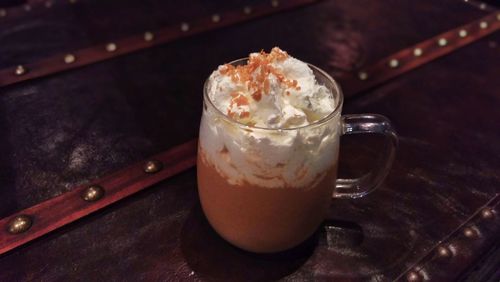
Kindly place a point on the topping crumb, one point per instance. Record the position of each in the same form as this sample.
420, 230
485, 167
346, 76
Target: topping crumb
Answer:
256, 73
267, 85
257, 95
238, 99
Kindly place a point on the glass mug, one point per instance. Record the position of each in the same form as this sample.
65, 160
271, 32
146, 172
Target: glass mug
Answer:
267, 190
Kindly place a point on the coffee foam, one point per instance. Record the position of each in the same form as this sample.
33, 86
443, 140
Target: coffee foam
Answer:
270, 158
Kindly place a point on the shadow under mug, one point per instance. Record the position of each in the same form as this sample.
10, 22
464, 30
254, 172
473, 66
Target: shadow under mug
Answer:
265, 220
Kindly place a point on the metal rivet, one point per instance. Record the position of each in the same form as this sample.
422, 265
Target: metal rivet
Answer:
247, 10
362, 75
483, 25
153, 166
393, 63
462, 33
184, 27
27, 8
443, 252
69, 58
93, 193
3, 13
470, 232
48, 4
487, 213
20, 70
417, 52
215, 18
111, 47
482, 6
413, 276
275, 3
442, 42
149, 36
19, 224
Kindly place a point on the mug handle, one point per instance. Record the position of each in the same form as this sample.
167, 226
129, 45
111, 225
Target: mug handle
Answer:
368, 123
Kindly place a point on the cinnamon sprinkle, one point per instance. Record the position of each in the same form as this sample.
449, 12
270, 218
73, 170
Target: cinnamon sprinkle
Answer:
239, 100
257, 95
259, 82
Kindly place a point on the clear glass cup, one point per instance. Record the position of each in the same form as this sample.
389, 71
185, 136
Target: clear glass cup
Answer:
267, 190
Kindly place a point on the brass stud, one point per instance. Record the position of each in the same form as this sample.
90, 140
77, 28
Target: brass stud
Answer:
487, 213
417, 52
362, 75
19, 224
48, 4
149, 36
413, 276
93, 193
3, 13
393, 63
184, 27
69, 58
443, 252
247, 10
442, 42
483, 25
462, 33
216, 18
153, 166
275, 3
27, 8
470, 232
20, 70
111, 47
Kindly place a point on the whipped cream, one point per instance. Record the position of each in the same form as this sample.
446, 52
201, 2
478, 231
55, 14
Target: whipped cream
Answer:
272, 91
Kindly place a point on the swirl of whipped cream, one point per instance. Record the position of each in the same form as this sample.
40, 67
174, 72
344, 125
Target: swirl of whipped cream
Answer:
274, 91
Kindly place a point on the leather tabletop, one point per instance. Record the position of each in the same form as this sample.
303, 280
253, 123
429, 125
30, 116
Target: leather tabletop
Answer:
66, 129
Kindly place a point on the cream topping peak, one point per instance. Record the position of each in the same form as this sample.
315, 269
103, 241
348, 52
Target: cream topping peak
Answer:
273, 90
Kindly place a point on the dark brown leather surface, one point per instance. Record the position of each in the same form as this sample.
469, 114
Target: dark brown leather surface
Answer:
63, 130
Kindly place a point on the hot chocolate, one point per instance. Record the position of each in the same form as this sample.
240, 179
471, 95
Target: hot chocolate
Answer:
261, 219
268, 149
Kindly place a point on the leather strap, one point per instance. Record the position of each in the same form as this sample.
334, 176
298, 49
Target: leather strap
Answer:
30, 7
419, 54
480, 5
454, 251
79, 202
108, 50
